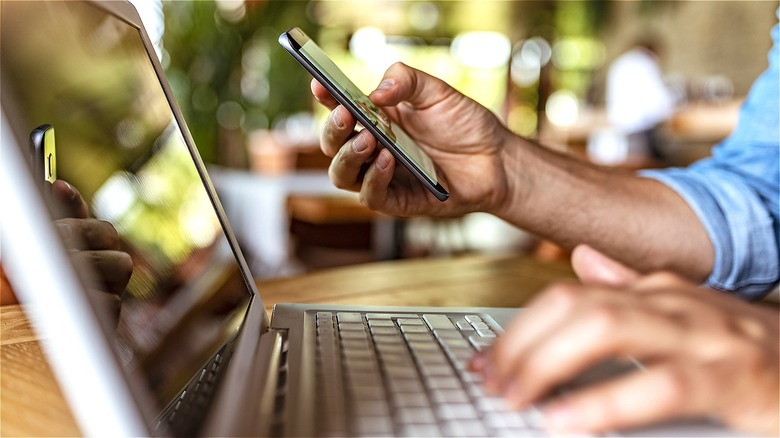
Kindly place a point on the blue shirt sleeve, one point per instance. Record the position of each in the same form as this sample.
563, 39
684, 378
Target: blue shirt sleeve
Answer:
736, 192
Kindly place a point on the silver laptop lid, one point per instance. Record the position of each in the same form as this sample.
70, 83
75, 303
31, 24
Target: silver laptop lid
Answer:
88, 70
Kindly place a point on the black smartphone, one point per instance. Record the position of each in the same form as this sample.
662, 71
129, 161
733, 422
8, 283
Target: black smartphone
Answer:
393, 138
43, 153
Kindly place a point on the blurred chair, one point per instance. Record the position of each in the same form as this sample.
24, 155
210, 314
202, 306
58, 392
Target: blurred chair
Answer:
334, 229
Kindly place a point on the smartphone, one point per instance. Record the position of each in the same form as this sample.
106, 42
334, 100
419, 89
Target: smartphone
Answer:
393, 138
44, 153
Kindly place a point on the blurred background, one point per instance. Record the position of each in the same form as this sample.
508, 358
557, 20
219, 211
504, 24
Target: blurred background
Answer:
553, 70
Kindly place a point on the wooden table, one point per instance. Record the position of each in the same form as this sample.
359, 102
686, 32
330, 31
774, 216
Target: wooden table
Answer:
31, 403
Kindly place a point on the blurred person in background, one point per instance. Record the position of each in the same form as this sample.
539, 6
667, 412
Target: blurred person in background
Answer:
716, 222
637, 99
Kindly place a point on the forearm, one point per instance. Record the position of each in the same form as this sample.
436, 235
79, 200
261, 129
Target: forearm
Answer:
636, 220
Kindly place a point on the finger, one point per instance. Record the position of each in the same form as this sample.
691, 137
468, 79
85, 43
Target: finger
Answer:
109, 303
71, 199
593, 267
402, 83
376, 182
113, 268
592, 336
338, 128
322, 95
669, 391
347, 167
548, 310
661, 280
87, 234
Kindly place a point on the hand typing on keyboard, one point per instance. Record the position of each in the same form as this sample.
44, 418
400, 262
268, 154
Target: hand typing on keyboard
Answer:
704, 353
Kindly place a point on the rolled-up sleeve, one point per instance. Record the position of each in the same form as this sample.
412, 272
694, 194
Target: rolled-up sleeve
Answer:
736, 192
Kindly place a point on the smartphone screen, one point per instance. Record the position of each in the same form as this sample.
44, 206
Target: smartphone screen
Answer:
372, 117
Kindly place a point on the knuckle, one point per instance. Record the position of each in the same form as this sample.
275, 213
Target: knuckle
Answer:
367, 200
667, 277
605, 318
335, 175
756, 360
672, 386
564, 294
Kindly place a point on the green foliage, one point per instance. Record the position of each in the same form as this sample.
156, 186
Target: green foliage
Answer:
231, 74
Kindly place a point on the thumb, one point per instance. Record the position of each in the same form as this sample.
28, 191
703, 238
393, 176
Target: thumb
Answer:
402, 83
593, 267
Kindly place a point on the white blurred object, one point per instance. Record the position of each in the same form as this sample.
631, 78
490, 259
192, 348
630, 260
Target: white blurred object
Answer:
151, 13
563, 108
637, 99
608, 147
481, 49
480, 232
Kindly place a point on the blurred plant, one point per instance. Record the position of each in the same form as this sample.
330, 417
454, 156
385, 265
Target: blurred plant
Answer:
227, 71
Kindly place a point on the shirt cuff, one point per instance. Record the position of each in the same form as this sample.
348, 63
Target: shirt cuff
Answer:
736, 221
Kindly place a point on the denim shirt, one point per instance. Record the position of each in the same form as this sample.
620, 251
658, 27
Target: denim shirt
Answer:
735, 193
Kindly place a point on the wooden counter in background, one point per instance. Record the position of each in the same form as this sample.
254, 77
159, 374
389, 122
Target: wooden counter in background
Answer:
31, 403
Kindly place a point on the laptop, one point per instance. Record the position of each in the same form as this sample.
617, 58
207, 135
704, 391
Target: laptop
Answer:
191, 350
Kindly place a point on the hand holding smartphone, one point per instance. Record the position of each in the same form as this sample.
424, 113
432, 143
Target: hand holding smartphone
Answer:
392, 137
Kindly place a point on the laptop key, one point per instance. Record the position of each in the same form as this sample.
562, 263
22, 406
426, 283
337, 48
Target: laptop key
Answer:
389, 315
491, 404
472, 318
400, 372
410, 400
459, 411
503, 420
352, 326
414, 329
406, 386
463, 325
378, 331
415, 415
445, 396
410, 321
349, 317
460, 428
438, 322
486, 333
436, 382
480, 343
372, 426
421, 430
480, 326
372, 408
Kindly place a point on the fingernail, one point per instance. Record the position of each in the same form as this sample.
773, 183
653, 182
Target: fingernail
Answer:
359, 144
489, 379
478, 361
385, 85
64, 230
559, 419
515, 395
71, 192
338, 120
382, 160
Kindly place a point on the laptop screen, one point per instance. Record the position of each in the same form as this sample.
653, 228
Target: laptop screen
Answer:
87, 74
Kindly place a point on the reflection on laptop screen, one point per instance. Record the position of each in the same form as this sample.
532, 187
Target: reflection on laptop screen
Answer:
88, 74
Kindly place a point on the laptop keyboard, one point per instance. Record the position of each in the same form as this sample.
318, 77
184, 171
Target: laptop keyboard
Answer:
393, 374
184, 414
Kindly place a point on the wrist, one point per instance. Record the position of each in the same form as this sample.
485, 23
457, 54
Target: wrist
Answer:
516, 157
